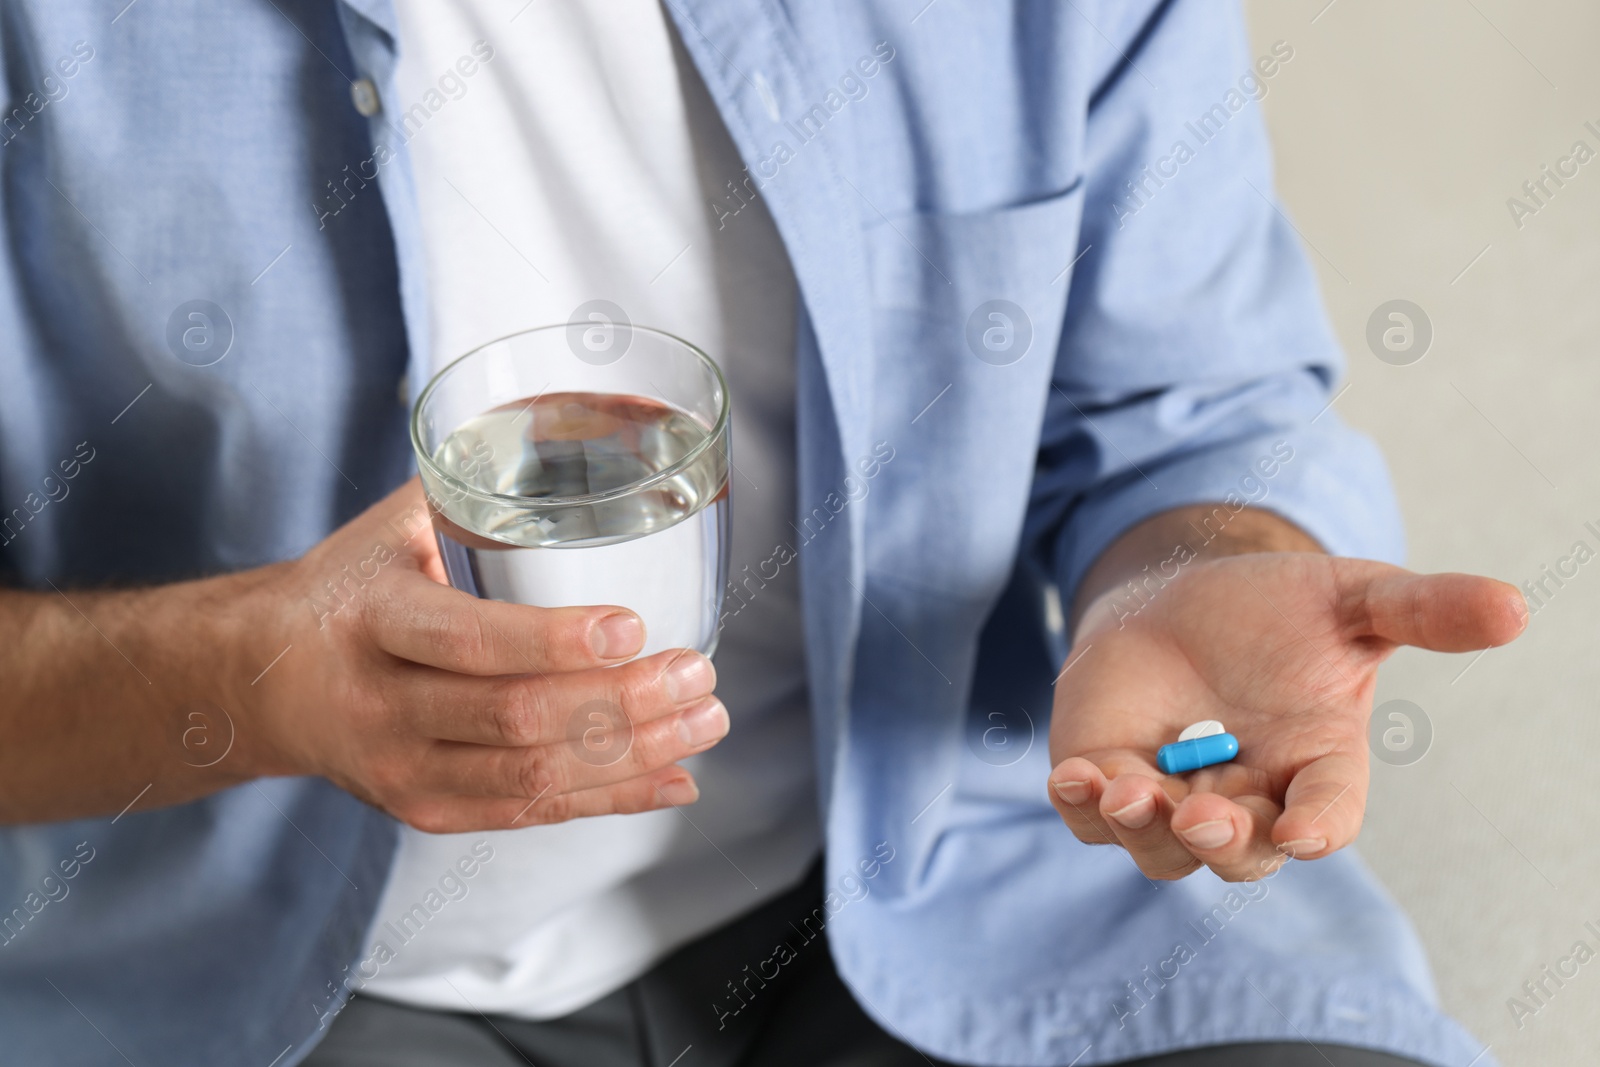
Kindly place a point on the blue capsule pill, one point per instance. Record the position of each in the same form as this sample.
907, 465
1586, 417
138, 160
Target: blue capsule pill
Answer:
1197, 752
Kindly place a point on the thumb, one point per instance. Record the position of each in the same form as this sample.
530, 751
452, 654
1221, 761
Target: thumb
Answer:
1441, 612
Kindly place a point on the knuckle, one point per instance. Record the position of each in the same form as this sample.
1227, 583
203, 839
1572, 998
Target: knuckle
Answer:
438, 629
362, 613
639, 688
655, 745
517, 714
563, 633
559, 808
536, 775
459, 638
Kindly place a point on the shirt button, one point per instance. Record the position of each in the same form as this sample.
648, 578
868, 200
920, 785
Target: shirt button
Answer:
365, 96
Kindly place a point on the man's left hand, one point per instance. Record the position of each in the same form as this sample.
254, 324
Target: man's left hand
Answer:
1281, 647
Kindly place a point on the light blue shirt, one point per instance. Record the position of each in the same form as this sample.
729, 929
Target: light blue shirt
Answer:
1160, 337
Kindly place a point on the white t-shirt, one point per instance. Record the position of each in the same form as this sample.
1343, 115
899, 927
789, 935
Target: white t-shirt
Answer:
582, 159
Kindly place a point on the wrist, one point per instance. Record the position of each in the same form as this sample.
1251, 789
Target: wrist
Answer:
1157, 551
207, 642
254, 611
1096, 614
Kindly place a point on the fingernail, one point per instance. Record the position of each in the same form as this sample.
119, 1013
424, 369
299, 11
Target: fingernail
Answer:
1074, 791
1208, 835
680, 791
1137, 816
617, 636
703, 724
690, 676
1301, 847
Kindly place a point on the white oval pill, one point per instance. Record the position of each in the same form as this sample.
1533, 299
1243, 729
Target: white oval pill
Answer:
1204, 728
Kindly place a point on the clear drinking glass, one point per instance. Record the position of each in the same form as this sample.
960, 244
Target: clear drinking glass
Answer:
585, 463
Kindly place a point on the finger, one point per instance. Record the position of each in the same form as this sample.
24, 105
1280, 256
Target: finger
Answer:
1324, 805
672, 787
1140, 813
417, 619
535, 710
1075, 788
575, 765
1232, 837
1442, 612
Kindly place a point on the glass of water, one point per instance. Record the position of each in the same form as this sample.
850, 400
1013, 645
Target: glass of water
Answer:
584, 464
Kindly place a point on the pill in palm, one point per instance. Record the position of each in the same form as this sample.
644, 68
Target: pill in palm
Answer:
1203, 728
1197, 752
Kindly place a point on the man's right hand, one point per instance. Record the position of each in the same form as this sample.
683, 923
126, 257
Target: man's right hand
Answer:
449, 712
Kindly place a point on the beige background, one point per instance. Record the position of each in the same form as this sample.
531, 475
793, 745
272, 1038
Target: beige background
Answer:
1401, 130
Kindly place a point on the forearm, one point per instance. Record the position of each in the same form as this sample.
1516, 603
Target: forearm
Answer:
1156, 551
109, 692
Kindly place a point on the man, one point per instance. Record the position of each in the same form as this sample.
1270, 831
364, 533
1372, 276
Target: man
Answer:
1032, 408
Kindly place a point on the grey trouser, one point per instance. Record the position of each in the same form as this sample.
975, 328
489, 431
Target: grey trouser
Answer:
678, 1015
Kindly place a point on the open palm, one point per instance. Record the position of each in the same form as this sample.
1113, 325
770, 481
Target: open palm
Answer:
1283, 649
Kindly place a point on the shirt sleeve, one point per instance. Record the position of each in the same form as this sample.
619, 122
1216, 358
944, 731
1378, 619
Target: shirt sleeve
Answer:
1196, 362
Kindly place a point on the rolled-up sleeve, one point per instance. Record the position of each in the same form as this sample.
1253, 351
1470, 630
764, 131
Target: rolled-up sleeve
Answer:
1196, 362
